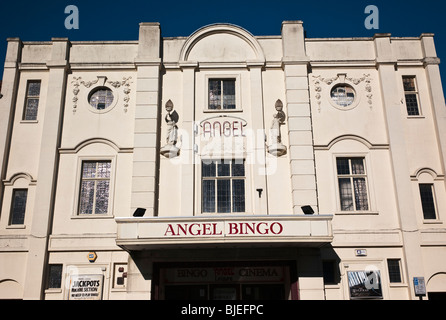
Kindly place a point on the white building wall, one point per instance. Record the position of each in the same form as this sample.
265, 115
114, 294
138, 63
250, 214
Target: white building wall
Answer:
45, 156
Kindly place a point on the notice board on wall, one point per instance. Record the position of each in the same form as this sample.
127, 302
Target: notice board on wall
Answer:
86, 287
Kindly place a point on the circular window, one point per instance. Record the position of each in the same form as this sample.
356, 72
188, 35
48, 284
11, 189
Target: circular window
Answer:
101, 98
343, 95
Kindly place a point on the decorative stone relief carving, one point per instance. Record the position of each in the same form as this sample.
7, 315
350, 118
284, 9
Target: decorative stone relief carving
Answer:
275, 147
318, 88
318, 80
170, 150
125, 83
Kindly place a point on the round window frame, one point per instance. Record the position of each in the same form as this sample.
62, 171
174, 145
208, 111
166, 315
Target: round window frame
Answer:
111, 106
353, 105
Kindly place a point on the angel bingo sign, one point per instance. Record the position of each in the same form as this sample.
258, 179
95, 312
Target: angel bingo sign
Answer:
86, 287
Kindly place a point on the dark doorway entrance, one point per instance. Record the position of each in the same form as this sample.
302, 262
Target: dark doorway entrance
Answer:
437, 295
225, 292
225, 281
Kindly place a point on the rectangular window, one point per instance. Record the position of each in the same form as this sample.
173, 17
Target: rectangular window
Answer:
394, 266
223, 186
221, 94
32, 100
411, 94
427, 201
18, 206
54, 276
352, 180
95, 187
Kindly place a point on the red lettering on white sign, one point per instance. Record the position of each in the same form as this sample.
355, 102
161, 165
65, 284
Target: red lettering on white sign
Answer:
194, 229
234, 228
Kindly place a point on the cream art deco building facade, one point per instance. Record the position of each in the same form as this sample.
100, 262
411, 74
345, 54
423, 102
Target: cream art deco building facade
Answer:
223, 166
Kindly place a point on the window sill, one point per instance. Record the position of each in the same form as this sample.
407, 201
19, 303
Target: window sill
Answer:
397, 285
432, 221
222, 110
357, 213
92, 216
16, 226
29, 121
53, 291
416, 117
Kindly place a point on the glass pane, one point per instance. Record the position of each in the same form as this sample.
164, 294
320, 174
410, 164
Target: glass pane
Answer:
34, 89
228, 94
88, 169
360, 188
55, 276
86, 197
238, 168
427, 201
214, 94
208, 191
342, 166
409, 83
223, 196
32, 106
346, 197
358, 166
343, 95
394, 270
412, 105
224, 168
18, 206
208, 169
101, 98
103, 169
102, 194
238, 195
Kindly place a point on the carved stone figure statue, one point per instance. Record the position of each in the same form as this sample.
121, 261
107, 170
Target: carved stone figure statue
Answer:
171, 120
170, 150
275, 146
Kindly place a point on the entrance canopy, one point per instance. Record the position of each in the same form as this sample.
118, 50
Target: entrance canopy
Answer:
138, 233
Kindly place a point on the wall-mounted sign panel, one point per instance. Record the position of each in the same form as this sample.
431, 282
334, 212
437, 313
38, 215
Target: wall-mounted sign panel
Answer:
223, 229
365, 284
86, 287
420, 286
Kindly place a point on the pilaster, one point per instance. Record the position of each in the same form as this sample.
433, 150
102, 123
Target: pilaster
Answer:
146, 140
259, 151
187, 156
399, 157
295, 65
432, 69
47, 170
7, 103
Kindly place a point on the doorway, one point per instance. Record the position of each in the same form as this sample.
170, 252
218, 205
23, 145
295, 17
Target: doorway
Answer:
437, 296
225, 281
225, 292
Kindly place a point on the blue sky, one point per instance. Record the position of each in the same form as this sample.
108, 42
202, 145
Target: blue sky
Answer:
118, 20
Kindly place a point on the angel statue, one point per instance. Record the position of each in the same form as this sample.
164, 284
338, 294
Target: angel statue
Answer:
275, 146
170, 150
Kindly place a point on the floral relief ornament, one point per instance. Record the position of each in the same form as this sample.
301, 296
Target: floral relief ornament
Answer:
126, 84
77, 82
365, 78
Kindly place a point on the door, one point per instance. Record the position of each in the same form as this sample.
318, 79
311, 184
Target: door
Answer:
263, 292
186, 292
225, 292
